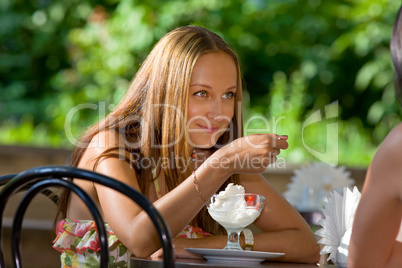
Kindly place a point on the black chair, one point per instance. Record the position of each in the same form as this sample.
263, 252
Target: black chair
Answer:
46, 192
39, 179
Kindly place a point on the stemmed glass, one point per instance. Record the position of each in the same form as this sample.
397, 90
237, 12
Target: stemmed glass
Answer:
234, 212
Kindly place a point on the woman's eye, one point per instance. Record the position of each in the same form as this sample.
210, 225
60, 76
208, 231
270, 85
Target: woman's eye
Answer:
228, 95
201, 93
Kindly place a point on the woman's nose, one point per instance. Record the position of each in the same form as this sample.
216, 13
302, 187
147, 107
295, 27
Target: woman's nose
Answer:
215, 111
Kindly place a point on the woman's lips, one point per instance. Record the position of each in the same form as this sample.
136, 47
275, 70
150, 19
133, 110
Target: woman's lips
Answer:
209, 129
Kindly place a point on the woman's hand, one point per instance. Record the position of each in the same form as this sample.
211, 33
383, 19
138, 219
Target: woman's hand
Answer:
250, 154
179, 245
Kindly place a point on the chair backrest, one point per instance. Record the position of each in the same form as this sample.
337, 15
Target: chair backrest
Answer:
39, 179
46, 192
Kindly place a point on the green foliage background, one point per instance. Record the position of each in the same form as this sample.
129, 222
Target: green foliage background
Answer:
298, 57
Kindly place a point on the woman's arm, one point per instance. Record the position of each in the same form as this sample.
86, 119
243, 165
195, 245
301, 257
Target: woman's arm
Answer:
130, 223
179, 206
378, 216
283, 228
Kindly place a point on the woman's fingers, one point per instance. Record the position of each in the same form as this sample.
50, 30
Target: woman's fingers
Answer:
157, 254
282, 137
277, 141
253, 153
258, 141
274, 152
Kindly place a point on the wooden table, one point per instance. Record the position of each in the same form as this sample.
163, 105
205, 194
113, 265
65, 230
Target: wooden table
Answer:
191, 263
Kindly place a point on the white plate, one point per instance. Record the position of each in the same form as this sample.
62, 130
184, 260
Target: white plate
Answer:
234, 256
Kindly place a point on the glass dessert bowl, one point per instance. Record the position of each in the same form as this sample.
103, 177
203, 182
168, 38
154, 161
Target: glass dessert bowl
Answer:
234, 212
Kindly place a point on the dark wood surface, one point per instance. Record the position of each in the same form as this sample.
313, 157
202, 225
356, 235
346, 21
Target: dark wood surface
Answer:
182, 263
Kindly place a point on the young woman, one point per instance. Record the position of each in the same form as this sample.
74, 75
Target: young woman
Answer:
176, 137
377, 231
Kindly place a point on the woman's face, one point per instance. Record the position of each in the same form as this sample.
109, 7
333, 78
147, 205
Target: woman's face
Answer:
213, 87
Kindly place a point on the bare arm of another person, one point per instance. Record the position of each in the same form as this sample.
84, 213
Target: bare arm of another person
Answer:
377, 220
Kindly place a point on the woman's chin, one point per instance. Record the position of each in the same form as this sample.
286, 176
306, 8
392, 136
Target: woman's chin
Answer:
202, 145
206, 143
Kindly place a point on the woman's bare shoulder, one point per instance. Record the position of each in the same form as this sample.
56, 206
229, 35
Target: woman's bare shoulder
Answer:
106, 139
385, 168
396, 132
100, 143
390, 147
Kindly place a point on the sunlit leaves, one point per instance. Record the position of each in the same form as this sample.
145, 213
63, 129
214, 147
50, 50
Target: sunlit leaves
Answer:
297, 57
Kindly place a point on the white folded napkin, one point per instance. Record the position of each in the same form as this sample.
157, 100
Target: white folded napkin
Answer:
339, 211
313, 183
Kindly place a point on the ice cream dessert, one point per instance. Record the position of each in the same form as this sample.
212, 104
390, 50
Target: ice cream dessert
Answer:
234, 209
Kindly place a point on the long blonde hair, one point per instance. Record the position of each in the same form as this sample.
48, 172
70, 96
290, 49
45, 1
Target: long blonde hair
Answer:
152, 116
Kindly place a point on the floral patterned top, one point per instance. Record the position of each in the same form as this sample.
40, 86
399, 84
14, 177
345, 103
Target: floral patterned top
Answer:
78, 243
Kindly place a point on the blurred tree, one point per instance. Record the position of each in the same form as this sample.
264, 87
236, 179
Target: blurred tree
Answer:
64, 64
33, 48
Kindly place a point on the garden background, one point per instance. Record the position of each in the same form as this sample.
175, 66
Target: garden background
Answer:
298, 58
